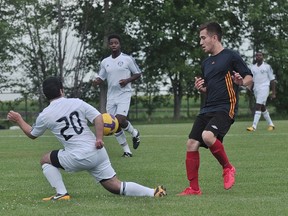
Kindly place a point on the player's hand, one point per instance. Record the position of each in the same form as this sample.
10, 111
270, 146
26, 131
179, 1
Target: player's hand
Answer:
123, 82
272, 96
237, 78
199, 83
99, 143
14, 116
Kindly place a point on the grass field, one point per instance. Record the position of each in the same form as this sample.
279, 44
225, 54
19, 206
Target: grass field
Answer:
260, 159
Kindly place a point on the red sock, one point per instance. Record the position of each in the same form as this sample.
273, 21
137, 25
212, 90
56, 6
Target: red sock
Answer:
217, 149
192, 167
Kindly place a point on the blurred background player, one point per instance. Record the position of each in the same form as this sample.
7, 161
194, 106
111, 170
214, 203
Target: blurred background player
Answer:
263, 76
220, 84
66, 118
120, 70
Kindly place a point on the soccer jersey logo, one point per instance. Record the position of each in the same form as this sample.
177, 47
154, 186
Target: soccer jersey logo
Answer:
120, 63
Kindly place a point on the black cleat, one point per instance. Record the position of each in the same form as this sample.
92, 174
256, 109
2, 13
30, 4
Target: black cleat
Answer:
136, 140
127, 154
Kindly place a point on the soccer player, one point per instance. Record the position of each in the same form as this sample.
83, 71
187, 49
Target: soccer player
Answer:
120, 70
220, 83
67, 119
263, 76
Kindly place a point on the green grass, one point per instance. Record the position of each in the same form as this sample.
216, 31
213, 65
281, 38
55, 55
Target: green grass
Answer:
260, 159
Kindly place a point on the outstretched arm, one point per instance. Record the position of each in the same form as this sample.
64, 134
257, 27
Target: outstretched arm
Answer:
17, 118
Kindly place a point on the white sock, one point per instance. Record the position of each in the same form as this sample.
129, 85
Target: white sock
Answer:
134, 189
54, 177
267, 117
131, 129
121, 139
257, 117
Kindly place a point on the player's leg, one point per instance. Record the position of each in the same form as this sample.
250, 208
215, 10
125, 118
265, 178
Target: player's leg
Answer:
123, 106
267, 117
260, 98
213, 136
50, 166
104, 173
193, 158
111, 108
114, 185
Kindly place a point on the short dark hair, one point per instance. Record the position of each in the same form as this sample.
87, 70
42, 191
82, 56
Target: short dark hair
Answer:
114, 36
212, 28
51, 87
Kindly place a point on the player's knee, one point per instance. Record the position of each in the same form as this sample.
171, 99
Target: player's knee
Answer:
208, 137
45, 159
192, 145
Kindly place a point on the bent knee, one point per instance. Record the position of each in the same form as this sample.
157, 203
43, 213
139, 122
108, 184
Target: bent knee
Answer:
208, 137
45, 159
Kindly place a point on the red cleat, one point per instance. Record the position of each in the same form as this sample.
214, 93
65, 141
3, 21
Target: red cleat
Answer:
189, 191
229, 177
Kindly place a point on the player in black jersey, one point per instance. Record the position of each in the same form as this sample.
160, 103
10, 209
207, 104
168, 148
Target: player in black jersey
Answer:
222, 74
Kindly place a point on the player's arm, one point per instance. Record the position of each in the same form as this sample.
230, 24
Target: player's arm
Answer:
273, 88
17, 118
124, 82
247, 81
99, 127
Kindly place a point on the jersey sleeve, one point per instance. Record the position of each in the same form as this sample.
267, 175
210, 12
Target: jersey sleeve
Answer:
270, 73
90, 112
102, 74
133, 67
39, 127
240, 66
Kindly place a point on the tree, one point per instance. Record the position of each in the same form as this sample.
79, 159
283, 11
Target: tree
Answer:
268, 26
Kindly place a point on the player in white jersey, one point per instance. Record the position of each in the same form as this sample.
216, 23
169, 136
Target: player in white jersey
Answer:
263, 76
67, 120
120, 70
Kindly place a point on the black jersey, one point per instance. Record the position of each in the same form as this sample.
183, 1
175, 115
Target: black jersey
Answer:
222, 92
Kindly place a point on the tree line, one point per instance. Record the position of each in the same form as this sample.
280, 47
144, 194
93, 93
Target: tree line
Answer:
40, 38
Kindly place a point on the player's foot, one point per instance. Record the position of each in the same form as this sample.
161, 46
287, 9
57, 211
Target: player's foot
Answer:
271, 128
160, 191
229, 177
136, 140
189, 191
127, 154
58, 197
251, 129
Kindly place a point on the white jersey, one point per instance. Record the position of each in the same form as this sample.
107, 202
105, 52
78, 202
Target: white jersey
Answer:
262, 75
67, 120
115, 69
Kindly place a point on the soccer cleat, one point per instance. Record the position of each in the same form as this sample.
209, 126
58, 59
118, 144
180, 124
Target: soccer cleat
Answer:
271, 128
127, 154
136, 140
58, 197
229, 177
189, 191
251, 129
160, 191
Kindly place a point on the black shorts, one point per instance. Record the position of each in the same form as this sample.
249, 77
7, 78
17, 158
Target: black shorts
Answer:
218, 123
54, 159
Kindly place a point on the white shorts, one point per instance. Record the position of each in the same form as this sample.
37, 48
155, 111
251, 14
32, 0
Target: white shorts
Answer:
119, 105
96, 163
261, 94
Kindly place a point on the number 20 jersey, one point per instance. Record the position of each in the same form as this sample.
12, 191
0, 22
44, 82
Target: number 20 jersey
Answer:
67, 120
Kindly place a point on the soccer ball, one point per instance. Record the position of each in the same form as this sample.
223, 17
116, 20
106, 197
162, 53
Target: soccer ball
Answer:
111, 124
